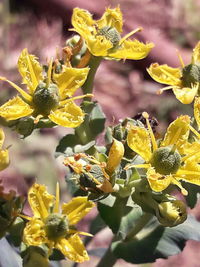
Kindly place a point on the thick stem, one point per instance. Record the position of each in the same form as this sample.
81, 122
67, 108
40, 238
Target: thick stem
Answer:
108, 260
93, 65
144, 219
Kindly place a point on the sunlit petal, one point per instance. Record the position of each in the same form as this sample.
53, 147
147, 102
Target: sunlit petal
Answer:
157, 181
186, 95
15, 108
197, 110
76, 209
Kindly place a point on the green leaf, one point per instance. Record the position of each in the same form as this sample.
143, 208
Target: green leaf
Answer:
97, 120
67, 144
120, 217
155, 242
193, 194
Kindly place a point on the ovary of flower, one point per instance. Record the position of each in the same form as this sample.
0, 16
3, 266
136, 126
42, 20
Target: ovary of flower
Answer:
54, 228
4, 156
175, 159
103, 38
183, 81
46, 97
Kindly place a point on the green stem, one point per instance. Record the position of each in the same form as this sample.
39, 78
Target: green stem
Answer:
144, 219
108, 260
93, 65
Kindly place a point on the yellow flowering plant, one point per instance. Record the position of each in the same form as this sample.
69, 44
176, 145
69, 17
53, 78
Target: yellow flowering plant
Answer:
126, 170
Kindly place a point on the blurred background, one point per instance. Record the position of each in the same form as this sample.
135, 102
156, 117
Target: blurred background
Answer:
122, 88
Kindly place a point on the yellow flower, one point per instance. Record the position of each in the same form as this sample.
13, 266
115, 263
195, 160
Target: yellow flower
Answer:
47, 97
56, 230
173, 160
4, 156
103, 38
183, 81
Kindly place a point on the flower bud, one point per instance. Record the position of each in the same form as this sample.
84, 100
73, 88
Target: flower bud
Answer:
190, 74
171, 213
165, 160
45, 98
25, 126
115, 156
56, 226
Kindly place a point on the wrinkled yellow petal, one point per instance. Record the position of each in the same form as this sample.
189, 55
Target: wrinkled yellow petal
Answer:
112, 18
185, 95
30, 70
115, 155
73, 248
99, 46
69, 80
15, 108
70, 115
196, 54
197, 110
76, 209
192, 150
83, 23
40, 200
34, 233
132, 49
177, 133
4, 159
157, 181
138, 140
190, 172
2, 137
165, 74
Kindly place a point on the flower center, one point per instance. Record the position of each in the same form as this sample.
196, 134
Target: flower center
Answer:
45, 98
165, 160
56, 226
190, 74
111, 34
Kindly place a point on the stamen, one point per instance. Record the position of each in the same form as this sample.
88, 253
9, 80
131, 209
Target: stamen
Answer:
56, 206
153, 140
63, 102
183, 190
129, 34
195, 131
180, 59
20, 90
71, 231
49, 72
160, 91
38, 118
139, 166
25, 217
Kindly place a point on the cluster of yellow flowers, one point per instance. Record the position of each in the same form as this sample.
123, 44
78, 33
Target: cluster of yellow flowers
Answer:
50, 95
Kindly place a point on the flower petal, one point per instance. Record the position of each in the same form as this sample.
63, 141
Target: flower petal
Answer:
112, 18
196, 54
76, 209
185, 95
73, 248
4, 159
15, 108
197, 110
2, 138
70, 115
177, 133
40, 200
30, 70
157, 181
165, 74
132, 49
190, 172
115, 155
69, 80
138, 140
34, 233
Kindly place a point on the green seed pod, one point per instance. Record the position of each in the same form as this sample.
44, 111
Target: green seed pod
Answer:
166, 161
111, 34
171, 213
56, 226
25, 126
45, 98
190, 74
